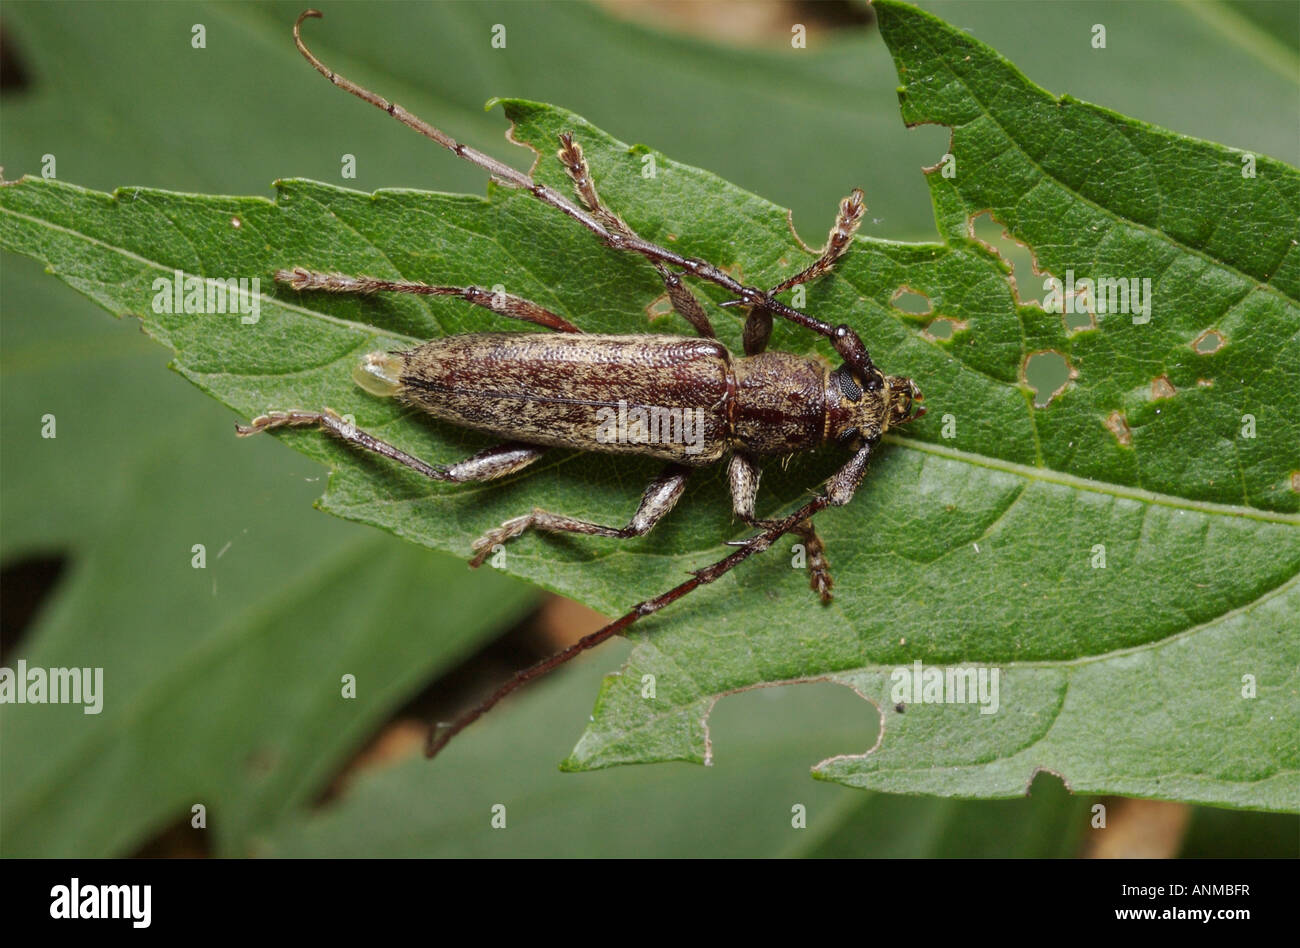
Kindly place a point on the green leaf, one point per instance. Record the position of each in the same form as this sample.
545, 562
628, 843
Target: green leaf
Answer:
971, 549
245, 714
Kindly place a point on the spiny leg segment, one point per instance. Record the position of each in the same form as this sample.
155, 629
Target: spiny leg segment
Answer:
507, 304
659, 499
743, 474
683, 300
758, 325
847, 222
487, 465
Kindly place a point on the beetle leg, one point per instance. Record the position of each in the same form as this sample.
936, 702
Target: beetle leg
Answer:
507, 304
743, 475
758, 329
485, 466
846, 225
758, 325
570, 155
844, 483
496, 461
683, 300
659, 498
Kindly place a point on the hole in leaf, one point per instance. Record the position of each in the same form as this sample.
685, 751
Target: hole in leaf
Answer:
659, 308
1077, 322
1118, 426
1075, 307
985, 228
910, 301
1047, 373
1208, 342
1162, 388
944, 328
796, 714
1295, 481
1205, 383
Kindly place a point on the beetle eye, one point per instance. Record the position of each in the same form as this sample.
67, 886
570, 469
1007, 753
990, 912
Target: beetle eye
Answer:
848, 385
848, 434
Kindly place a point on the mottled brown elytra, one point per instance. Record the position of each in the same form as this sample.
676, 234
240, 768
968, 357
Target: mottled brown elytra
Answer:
686, 400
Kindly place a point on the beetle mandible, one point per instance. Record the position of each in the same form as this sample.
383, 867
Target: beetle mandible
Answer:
560, 389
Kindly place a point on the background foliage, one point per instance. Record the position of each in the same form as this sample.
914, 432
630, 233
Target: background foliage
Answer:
142, 586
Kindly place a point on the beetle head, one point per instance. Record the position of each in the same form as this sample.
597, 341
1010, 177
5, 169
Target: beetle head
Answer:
901, 401
859, 410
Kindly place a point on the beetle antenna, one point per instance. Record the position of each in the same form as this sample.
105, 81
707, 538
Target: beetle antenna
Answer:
512, 177
844, 340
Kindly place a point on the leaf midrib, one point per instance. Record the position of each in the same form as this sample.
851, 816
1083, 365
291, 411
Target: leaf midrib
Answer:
1051, 476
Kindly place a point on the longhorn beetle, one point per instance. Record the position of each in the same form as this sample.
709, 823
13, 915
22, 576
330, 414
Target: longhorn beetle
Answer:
541, 390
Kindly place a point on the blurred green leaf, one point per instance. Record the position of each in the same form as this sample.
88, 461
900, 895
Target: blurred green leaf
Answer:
742, 807
240, 709
221, 685
1014, 503
232, 117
